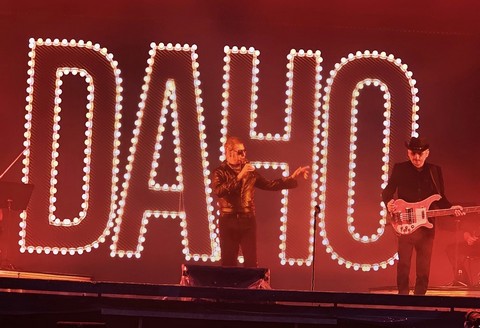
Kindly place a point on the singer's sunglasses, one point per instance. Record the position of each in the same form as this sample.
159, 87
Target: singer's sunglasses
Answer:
241, 152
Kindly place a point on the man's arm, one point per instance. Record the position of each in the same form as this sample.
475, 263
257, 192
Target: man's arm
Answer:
389, 192
282, 183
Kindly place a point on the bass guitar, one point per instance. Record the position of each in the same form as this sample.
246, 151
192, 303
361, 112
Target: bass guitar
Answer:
408, 217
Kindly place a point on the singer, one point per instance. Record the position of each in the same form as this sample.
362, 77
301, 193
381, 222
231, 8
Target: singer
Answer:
234, 183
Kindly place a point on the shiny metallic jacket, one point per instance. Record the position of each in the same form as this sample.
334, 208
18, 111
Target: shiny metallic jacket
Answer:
239, 196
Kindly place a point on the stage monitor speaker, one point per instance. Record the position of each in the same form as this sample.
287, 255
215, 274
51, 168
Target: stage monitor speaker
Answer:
217, 276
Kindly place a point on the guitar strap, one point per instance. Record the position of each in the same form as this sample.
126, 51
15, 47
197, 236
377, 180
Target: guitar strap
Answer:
435, 178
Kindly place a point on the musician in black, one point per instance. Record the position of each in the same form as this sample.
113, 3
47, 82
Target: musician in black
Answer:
413, 181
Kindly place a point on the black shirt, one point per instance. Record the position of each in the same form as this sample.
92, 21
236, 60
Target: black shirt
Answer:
414, 185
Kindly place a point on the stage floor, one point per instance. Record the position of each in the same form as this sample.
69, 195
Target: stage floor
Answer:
50, 300
456, 291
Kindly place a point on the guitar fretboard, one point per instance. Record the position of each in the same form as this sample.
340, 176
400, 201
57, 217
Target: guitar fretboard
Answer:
449, 211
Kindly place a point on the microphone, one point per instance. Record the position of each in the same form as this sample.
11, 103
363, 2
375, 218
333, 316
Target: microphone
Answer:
244, 162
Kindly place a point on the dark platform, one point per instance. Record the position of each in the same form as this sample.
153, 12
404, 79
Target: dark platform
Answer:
214, 276
30, 302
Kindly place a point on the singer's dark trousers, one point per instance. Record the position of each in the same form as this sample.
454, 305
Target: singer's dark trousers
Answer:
238, 231
421, 241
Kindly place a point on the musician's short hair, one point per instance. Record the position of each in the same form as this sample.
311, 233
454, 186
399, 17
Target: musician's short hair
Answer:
231, 142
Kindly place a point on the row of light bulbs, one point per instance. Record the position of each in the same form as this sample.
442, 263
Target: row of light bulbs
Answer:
170, 103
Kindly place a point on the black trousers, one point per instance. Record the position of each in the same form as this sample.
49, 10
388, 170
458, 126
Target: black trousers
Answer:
421, 241
238, 231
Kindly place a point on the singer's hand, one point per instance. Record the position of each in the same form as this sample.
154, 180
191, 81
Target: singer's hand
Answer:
305, 170
245, 169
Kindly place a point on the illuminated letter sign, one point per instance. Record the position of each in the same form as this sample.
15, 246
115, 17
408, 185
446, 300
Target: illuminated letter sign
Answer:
341, 136
76, 216
169, 134
284, 150
350, 154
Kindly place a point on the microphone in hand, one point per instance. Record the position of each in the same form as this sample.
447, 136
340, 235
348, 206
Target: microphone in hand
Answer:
247, 166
